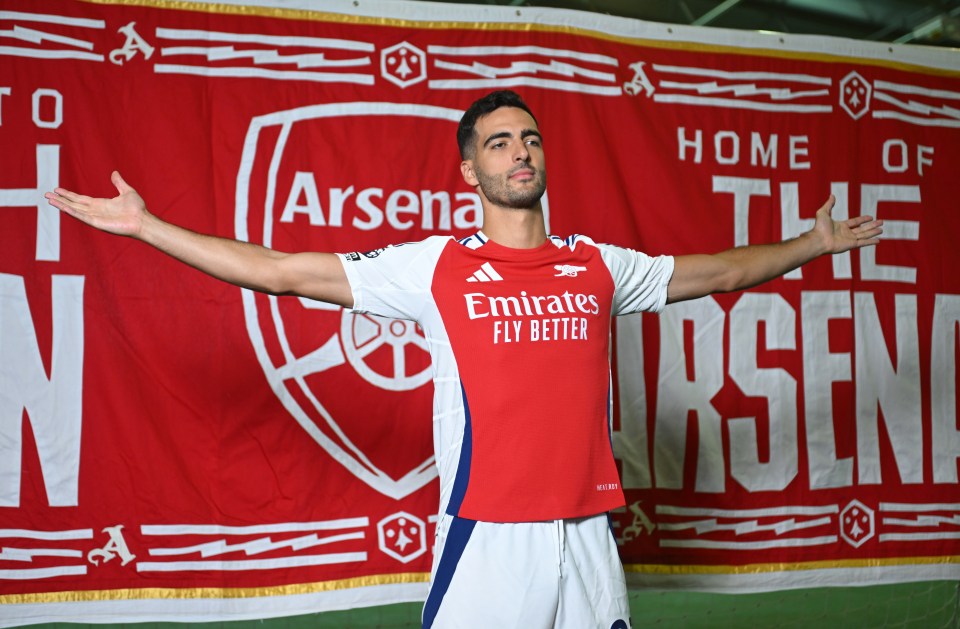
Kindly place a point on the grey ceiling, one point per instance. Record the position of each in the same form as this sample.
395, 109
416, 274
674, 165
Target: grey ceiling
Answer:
928, 22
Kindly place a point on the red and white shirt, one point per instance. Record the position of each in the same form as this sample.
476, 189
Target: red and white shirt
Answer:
520, 344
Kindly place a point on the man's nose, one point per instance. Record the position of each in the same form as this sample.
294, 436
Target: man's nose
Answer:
522, 154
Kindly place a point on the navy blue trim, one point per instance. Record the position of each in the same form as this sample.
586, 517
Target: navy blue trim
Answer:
610, 409
474, 241
457, 537
463, 467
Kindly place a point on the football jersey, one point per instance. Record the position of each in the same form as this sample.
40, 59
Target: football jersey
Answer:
519, 341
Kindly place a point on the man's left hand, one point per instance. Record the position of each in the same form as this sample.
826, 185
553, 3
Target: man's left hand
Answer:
840, 236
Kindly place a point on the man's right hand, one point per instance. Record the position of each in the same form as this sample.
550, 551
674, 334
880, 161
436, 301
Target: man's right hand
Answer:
124, 214
318, 276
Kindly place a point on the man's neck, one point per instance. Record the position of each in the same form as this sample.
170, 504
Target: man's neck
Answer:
517, 229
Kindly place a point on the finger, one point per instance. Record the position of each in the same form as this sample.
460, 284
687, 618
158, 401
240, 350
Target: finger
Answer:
858, 220
869, 234
54, 200
72, 197
61, 204
867, 226
828, 205
121, 185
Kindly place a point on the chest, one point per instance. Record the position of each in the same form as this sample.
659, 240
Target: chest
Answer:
553, 300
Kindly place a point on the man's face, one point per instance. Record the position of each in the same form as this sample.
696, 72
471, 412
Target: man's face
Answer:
508, 162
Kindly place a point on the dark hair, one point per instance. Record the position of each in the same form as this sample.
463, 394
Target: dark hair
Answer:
467, 130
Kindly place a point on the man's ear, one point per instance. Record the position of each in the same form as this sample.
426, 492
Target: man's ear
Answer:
466, 169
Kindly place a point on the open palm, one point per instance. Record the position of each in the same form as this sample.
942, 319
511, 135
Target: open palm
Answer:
123, 214
840, 236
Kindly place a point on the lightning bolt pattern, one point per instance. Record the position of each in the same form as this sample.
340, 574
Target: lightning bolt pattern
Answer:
526, 67
924, 520
750, 89
262, 57
27, 554
38, 37
257, 546
744, 528
918, 107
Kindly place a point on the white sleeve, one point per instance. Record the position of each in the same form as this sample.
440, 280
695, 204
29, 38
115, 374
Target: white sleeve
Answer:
393, 282
641, 280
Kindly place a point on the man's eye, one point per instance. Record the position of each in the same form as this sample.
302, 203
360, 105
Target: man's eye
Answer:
533, 142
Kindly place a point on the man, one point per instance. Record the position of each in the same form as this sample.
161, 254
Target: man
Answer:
518, 327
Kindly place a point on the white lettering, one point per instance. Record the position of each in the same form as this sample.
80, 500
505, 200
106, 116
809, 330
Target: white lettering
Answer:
559, 329
844, 407
474, 300
870, 198
728, 149
922, 159
895, 390
401, 202
133, 44
48, 217
4, 91
374, 214
529, 305
57, 119
427, 200
400, 209
54, 404
734, 141
631, 442
678, 396
778, 386
821, 368
767, 156
303, 185
742, 189
901, 150
943, 388
116, 547
696, 144
792, 225
842, 269
798, 149
896, 156
470, 214
337, 197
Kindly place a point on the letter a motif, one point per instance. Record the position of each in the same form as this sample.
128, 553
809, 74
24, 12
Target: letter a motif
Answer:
130, 47
116, 546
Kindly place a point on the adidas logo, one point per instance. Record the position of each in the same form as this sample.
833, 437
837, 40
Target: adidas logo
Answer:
485, 273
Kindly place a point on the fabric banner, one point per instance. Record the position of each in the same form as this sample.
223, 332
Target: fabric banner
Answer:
172, 447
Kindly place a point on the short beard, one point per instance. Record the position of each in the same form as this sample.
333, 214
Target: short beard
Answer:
497, 189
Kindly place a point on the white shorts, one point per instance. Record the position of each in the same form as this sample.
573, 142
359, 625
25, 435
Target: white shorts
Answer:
563, 574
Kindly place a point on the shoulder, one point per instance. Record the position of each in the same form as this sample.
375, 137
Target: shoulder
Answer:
573, 241
400, 250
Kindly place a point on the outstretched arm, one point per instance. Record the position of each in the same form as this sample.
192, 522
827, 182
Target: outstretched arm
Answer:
736, 269
315, 275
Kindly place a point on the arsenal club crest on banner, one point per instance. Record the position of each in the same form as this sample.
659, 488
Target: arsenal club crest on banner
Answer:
312, 353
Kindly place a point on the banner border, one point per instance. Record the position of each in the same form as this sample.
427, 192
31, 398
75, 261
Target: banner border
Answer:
691, 569
127, 594
923, 59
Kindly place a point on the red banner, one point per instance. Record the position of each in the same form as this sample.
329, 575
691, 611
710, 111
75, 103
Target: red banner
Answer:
172, 447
